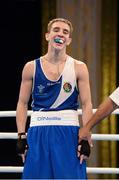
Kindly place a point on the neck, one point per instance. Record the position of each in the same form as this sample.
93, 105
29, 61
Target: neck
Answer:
56, 54
55, 58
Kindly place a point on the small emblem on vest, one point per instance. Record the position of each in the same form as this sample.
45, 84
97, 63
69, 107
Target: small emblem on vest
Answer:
41, 88
67, 87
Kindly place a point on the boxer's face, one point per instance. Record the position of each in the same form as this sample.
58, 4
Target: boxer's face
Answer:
59, 34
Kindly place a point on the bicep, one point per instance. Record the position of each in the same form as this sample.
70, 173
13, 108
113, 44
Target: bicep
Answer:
25, 91
26, 86
84, 85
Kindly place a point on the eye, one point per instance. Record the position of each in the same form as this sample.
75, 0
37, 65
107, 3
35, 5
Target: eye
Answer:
56, 29
66, 31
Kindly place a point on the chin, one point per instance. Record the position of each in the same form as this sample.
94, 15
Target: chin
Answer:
58, 47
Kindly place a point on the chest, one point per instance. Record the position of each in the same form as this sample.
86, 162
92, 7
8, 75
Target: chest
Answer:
53, 71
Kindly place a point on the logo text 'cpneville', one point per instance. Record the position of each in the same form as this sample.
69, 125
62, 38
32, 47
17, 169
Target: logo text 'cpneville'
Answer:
42, 118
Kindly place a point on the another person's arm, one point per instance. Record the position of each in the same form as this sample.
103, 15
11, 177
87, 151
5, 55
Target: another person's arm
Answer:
105, 109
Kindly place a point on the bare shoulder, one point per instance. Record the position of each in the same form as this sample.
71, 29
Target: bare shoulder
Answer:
79, 65
81, 70
29, 64
28, 69
78, 62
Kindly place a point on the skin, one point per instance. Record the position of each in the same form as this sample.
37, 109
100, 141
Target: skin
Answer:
53, 63
104, 110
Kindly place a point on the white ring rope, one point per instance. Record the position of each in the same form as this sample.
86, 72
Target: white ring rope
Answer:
97, 137
13, 113
94, 170
102, 170
98, 170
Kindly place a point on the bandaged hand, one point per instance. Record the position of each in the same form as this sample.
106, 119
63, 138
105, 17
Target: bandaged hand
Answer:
22, 145
85, 134
83, 150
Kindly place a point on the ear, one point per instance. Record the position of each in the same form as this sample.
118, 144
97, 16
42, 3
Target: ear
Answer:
69, 41
47, 36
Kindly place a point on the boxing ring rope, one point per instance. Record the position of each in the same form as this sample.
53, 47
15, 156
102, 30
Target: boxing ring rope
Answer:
13, 113
98, 170
97, 137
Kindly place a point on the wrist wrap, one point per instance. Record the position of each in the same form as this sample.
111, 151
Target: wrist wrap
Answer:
21, 145
85, 148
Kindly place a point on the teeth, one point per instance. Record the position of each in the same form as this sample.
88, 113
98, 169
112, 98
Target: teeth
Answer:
58, 40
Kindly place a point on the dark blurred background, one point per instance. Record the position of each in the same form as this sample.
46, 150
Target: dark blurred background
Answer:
20, 31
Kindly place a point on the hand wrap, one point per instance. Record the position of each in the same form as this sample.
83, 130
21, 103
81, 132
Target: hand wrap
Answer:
85, 148
21, 145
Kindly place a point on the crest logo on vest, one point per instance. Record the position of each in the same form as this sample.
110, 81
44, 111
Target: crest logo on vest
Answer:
67, 87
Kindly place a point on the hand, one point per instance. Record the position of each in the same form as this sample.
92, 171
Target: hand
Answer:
85, 134
22, 145
83, 150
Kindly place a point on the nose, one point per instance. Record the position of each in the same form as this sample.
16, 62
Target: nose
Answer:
60, 33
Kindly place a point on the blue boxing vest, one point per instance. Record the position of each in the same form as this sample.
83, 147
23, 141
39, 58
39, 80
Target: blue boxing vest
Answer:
56, 95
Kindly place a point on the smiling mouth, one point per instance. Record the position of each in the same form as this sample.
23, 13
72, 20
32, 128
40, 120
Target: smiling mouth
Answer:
58, 40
